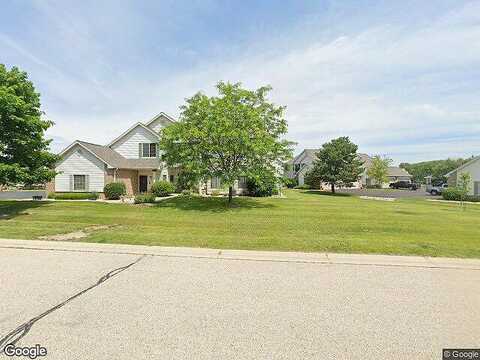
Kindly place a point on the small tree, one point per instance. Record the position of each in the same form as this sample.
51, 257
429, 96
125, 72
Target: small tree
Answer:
24, 155
378, 171
464, 187
337, 164
238, 133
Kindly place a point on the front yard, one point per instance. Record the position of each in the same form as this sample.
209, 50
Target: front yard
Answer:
304, 221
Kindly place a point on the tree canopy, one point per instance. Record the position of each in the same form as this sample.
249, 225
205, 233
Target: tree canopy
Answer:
337, 164
378, 171
24, 155
435, 168
237, 133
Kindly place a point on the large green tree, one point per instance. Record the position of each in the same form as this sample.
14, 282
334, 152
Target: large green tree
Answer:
337, 164
378, 171
237, 133
24, 155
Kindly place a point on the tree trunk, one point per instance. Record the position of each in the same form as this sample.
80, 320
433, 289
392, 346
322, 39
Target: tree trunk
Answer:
333, 188
230, 194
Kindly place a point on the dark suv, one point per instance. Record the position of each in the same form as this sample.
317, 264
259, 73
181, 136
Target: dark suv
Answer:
404, 185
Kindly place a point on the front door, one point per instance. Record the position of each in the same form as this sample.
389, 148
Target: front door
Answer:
143, 183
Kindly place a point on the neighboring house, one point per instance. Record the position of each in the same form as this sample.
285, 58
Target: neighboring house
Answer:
132, 158
471, 167
303, 162
394, 174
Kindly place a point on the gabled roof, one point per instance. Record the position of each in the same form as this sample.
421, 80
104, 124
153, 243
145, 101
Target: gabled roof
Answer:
476, 158
397, 171
162, 114
82, 144
139, 124
307, 153
114, 159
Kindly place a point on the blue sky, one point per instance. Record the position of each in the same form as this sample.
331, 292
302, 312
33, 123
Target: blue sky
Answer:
401, 78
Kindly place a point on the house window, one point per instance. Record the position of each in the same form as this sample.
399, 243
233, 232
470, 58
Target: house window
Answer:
242, 182
149, 150
172, 178
216, 184
79, 183
164, 177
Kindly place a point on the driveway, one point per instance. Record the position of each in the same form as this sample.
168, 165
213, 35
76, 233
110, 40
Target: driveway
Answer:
21, 194
390, 193
174, 303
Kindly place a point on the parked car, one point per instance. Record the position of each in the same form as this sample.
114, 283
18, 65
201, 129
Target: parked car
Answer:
436, 189
403, 185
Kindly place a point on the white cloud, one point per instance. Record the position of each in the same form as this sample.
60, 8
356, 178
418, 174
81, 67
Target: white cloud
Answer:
386, 85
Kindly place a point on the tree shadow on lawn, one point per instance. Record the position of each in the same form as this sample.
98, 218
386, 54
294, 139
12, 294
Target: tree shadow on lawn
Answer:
326, 193
12, 209
213, 204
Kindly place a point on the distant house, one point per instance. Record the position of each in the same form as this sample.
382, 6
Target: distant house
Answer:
132, 158
471, 167
303, 162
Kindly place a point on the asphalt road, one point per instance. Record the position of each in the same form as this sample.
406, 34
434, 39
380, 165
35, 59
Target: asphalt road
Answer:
390, 193
240, 306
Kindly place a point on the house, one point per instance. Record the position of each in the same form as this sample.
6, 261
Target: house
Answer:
132, 158
303, 162
471, 167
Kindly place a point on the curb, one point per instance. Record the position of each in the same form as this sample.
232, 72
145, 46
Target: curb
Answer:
246, 255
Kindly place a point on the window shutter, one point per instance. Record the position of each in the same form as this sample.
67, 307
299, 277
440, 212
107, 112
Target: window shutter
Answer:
70, 185
140, 148
87, 182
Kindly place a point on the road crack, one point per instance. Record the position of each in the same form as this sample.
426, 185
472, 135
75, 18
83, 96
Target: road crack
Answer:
17, 334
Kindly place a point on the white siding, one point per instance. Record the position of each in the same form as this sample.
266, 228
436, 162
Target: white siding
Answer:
128, 145
159, 123
474, 170
78, 161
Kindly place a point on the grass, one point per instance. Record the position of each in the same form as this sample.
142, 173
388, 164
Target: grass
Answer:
304, 221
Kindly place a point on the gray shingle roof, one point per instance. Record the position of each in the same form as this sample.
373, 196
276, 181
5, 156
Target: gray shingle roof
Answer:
116, 160
397, 171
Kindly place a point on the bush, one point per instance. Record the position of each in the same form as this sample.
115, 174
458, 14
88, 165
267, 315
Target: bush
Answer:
73, 196
455, 194
262, 186
186, 181
289, 183
162, 188
114, 190
144, 198
216, 193
186, 192
376, 186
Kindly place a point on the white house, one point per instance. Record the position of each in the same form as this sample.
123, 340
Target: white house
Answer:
303, 162
132, 158
472, 168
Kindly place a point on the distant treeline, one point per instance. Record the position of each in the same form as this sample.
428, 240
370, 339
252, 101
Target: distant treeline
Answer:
436, 168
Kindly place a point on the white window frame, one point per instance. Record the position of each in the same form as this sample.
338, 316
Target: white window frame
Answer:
84, 182
148, 147
217, 181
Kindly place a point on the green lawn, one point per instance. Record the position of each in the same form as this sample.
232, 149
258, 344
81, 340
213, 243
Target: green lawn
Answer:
304, 221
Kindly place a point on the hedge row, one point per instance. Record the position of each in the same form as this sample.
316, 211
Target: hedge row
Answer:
73, 196
455, 194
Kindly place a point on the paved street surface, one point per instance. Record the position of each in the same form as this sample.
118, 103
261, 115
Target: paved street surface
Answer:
390, 193
206, 304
